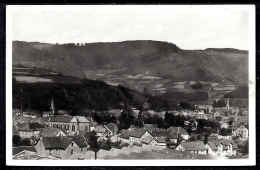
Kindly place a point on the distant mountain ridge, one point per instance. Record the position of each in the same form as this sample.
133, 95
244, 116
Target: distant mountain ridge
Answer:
118, 60
227, 50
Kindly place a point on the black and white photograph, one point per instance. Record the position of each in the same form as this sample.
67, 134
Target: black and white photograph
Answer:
126, 85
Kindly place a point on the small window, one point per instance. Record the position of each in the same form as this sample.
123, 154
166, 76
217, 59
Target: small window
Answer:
71, 152
71, 144
73, 128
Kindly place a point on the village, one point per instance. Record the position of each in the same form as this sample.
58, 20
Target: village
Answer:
128, 133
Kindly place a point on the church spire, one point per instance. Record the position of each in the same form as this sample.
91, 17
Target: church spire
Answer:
228, 106
52, 108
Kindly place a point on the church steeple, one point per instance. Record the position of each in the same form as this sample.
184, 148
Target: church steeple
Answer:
228, 106
52, 108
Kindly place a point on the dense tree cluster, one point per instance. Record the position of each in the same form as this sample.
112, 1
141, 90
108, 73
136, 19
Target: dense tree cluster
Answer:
219, 103
104, 118
241, 92
186, 105
197, 85
18, 141
126, 118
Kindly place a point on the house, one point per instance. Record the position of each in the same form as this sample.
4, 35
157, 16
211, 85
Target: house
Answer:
45, 121
203, 105
171, 138
47, 114
134, 136
183, 133
240, 130
137, 135
124, 136
16, 112
223, 147
52, 132
61, 147
202, 115
101, 131
150, 127
154, 141
36, 120
17, 150
192, 147
27, 130
21, 119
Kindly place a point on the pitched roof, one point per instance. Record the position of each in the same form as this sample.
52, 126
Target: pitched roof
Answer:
111, 126
21, 125
19, 149
147, 139
193, 146
125, 134
165, 133
79, 140
35, 126
90, 119
56, 142
36, 119
225, 142
159, 139
51, 132
137, 132
180, 129
29, 126
100, 129
61, 119
82, 119
23, 118
45, 119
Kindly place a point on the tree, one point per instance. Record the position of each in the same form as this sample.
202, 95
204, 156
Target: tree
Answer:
206, 139
26, 142
97, 118
139, 121
197, 85
198, 137
113, 119
92, 141
189, 129
16, 140
103, 143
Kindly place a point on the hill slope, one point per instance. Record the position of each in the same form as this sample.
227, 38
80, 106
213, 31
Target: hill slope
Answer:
110, 61
74, 94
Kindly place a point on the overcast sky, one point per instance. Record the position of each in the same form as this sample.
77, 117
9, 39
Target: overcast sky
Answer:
186, 29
